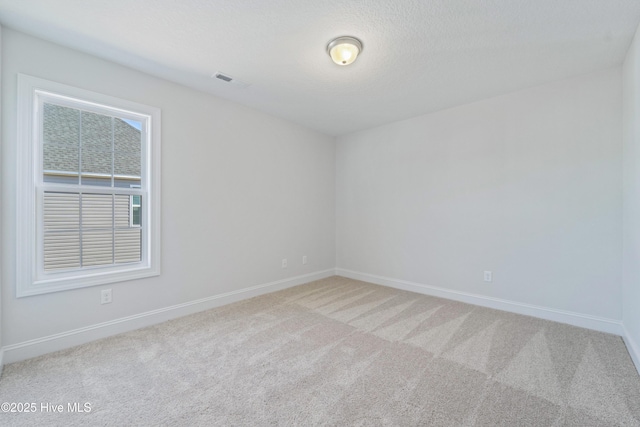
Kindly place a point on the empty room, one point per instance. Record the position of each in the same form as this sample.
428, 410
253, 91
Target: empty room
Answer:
345, 213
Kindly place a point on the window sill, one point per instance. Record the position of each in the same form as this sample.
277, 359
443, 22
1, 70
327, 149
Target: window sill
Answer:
46, 286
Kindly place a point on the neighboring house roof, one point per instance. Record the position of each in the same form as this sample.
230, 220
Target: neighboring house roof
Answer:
66, 128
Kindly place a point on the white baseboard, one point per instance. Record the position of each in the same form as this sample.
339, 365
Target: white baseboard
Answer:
601, 324
633, 347
60, 341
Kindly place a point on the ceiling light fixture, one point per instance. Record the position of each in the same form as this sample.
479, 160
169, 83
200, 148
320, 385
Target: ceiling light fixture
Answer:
344, 50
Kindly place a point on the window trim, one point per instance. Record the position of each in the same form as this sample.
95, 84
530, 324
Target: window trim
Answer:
30, 280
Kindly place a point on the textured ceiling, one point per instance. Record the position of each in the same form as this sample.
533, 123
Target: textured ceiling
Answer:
418, 57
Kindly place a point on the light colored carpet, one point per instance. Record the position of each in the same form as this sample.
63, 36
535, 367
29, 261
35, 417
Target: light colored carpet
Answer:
337, 352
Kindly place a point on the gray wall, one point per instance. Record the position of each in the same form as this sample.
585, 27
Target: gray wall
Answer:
240, 191
526, 185
631, 242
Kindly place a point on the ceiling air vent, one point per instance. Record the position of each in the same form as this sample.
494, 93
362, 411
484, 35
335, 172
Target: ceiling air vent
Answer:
225, 78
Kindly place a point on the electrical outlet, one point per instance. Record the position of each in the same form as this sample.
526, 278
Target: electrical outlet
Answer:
304, 259
105, 296
284, 263
488, 276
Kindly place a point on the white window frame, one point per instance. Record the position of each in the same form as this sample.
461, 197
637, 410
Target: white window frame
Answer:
31, 277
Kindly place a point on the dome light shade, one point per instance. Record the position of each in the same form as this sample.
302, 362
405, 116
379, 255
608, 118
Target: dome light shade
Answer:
344, 50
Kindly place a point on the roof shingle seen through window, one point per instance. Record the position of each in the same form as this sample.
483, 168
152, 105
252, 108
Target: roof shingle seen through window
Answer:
65, 128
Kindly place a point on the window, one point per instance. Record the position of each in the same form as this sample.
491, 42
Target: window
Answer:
88, 196
134, 211
135, 208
